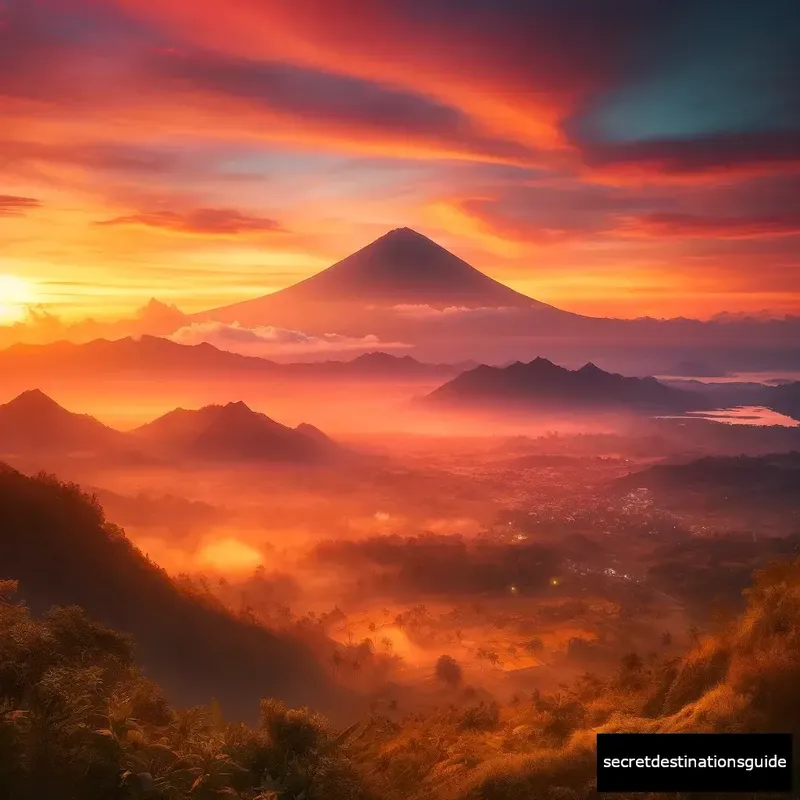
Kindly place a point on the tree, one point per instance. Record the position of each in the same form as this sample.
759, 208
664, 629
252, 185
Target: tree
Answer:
336, 660
535, 645
448, 671
632, 662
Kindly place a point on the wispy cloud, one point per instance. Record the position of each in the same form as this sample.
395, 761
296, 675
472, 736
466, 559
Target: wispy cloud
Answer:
270, 341
451, 312
200, 221
11, 206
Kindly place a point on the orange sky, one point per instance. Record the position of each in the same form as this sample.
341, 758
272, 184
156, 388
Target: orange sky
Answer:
204, 152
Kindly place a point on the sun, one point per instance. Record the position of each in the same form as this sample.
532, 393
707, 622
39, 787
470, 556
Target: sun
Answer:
16, 295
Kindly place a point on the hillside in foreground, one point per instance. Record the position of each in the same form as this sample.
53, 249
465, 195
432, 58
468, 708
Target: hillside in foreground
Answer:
57, 542
78, 719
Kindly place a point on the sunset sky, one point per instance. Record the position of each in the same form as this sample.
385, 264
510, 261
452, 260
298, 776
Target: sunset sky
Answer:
610, 157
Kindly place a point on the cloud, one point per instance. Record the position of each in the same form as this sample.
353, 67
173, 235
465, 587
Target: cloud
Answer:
270, 341
202, 221
701, 227
41, 326
11, 206
357, 105
451, 312
627, 81
725, 152
101, 156
130, 69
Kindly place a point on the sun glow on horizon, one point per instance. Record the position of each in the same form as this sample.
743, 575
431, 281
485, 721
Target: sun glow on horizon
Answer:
229, 555
16, 295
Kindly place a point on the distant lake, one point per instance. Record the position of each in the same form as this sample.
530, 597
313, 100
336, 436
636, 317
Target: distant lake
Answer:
742, 415
740, 377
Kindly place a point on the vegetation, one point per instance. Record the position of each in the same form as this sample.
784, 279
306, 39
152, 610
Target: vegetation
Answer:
79, 721
448, 671
58, 543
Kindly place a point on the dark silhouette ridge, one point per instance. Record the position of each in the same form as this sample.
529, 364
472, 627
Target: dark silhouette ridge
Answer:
235, 432
56, 541
773, 478
542, 384
785, 399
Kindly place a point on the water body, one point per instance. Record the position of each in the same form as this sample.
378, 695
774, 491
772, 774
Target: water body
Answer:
742, 415
766, 378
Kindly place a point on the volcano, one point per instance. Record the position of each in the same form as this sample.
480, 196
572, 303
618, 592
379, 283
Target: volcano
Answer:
401, 268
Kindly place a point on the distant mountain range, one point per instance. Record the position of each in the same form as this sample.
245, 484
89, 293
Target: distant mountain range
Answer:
33, 423
542, 385
152, 355
404, 288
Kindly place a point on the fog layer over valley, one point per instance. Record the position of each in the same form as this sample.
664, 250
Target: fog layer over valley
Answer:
528, 560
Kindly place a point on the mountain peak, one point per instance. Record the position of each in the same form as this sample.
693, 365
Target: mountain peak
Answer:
540, 363
34, 421
590, 368
35, 400
406, 234
238, 405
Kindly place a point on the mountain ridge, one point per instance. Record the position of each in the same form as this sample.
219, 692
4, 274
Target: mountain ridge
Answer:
235, 432
542, 384
157, 354
34, 423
